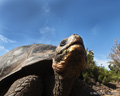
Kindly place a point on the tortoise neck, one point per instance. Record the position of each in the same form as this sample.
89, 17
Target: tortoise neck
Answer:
62, 85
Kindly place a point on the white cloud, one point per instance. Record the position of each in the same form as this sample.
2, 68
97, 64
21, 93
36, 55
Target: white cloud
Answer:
104, 62
95, 29
47, 33
46, 8
3, 50
6, 40
47, 30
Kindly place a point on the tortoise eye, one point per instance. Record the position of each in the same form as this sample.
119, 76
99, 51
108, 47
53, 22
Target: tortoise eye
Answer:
63, 42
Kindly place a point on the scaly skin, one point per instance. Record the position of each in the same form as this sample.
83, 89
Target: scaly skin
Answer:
63, 86
27, 86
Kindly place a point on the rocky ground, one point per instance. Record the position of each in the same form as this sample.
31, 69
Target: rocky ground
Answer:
96, 89
112, 89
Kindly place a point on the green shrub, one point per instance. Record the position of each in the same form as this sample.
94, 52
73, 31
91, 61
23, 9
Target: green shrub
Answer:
100, 74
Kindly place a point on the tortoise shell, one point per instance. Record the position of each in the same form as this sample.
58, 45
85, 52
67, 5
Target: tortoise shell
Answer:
30, 57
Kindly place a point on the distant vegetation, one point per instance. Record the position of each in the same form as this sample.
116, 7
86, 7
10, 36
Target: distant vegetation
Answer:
115, 57
95, 74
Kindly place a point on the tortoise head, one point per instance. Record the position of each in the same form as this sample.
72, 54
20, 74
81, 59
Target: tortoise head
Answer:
70, 57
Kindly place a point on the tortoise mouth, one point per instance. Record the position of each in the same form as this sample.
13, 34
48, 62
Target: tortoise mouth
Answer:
65, 50
77, 43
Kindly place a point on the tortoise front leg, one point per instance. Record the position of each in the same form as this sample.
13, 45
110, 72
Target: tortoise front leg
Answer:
27, 86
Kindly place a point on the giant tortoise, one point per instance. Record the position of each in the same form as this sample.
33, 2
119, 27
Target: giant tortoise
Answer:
42, 70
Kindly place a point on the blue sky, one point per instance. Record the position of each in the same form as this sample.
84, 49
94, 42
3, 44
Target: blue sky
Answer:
24, 22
